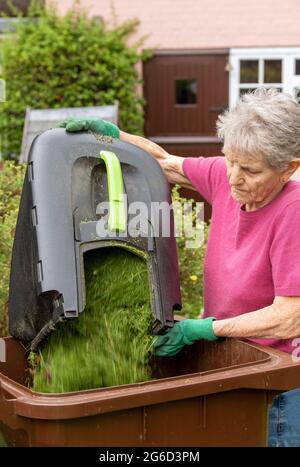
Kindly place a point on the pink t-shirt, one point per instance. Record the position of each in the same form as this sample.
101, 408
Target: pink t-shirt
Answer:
251, 256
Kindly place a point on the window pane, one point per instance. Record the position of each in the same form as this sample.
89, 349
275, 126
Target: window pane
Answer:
186, 91
297, 66
246, 90
248, 71
272, 73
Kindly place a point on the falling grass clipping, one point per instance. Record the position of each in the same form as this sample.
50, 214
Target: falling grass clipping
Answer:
109, 343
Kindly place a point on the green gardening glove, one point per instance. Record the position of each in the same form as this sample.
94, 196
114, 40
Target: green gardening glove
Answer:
183, 333
94, 124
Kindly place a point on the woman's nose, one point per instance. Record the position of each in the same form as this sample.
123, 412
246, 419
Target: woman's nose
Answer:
235, 176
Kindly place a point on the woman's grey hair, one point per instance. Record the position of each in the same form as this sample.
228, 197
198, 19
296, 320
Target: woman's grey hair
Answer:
264, 122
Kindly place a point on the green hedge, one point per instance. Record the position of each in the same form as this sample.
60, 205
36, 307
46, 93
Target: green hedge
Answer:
11, 181
191, 260
71, 61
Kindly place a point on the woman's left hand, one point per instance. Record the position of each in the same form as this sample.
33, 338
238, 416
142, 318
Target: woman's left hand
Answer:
185, 332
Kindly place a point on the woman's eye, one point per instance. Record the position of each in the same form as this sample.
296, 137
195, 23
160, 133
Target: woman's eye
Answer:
251, 171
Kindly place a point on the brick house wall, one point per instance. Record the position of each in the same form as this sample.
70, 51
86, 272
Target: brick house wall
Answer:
188, 24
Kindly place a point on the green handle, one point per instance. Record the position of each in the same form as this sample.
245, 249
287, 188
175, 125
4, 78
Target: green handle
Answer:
116, 220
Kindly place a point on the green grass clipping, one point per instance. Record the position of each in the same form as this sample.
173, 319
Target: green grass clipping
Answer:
110, 343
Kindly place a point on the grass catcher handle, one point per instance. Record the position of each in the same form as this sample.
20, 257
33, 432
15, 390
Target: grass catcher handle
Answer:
117, 215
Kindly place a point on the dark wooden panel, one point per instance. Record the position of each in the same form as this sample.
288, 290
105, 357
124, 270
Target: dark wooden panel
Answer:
196, 150
166, 119
163, 116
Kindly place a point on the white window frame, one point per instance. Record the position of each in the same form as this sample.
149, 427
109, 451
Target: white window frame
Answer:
288, 55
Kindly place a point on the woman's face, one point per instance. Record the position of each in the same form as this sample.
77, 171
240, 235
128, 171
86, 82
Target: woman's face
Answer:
253, 183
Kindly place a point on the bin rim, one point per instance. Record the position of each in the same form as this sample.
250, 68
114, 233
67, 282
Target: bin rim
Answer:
276, 372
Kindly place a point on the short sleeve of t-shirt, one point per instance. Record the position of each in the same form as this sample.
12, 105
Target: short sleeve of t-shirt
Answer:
206, 174
285, 251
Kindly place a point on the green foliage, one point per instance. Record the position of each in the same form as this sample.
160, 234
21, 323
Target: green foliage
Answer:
191, 262
109, 343
71, 61
11, 181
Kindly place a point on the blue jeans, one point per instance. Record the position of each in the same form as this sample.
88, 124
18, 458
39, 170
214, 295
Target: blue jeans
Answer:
284, 420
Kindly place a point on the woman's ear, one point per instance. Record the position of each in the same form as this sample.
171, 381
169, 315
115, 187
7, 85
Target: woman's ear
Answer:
292, 167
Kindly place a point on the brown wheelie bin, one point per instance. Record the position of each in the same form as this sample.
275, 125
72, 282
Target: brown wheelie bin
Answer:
211, 394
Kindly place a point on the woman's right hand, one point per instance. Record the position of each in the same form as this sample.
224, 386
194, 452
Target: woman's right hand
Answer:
93, 124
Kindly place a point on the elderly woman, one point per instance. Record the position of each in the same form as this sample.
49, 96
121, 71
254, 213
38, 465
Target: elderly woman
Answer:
252, 264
